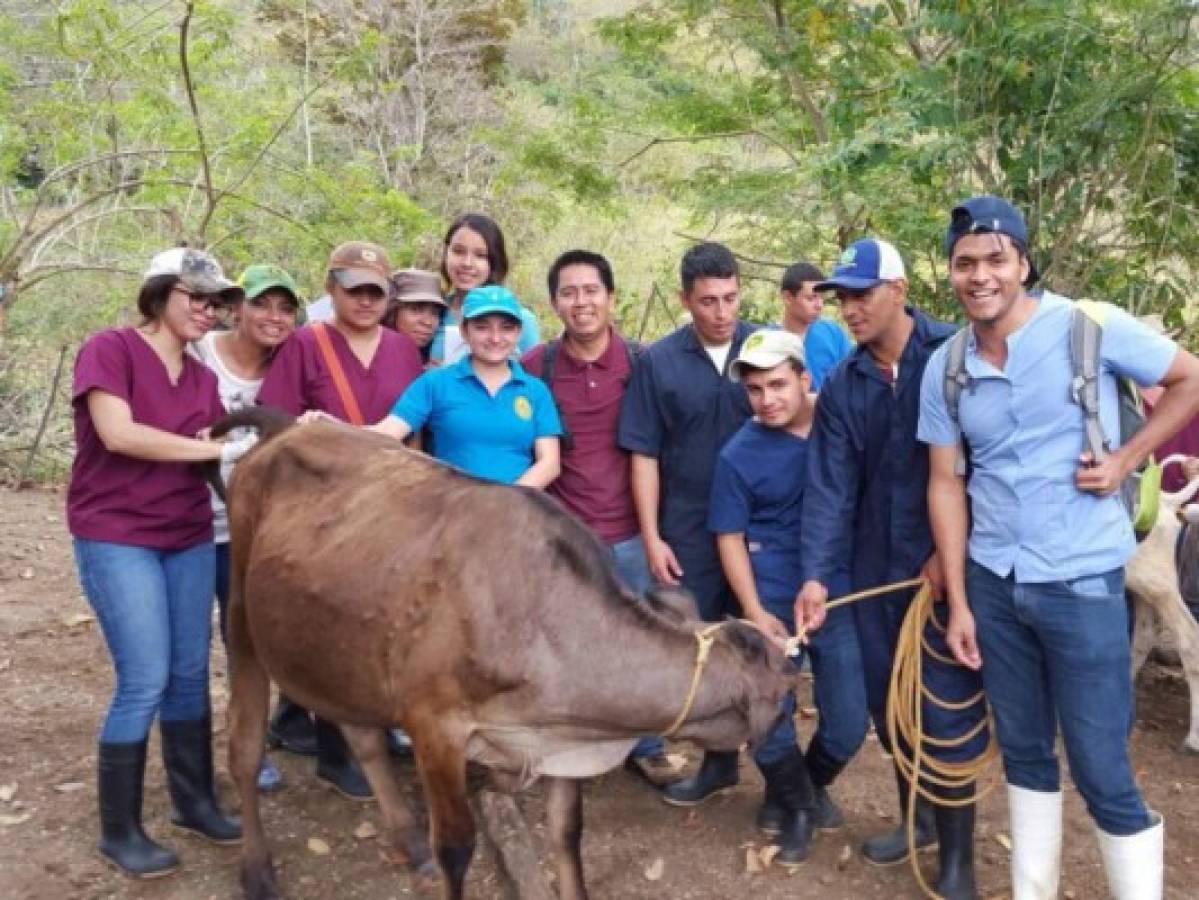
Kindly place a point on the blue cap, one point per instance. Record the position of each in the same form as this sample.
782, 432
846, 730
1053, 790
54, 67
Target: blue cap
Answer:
491, 298
988, 214
863, 264
985, 214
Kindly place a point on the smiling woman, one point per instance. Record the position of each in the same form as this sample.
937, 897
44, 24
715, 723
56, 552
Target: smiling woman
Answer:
487, 415
142, 529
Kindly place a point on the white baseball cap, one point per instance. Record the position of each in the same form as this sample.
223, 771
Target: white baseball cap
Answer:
196, 270
766, 349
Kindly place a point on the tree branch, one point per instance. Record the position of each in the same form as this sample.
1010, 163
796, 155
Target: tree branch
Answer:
185, 67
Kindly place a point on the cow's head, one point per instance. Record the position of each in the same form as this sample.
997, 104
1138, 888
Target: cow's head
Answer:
743, 682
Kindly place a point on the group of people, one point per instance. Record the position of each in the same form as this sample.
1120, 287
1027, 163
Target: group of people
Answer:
765, 469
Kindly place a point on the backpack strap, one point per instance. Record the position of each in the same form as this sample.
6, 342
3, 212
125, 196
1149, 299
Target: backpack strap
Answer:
1086, 333
956, 380
549, 358
333, 364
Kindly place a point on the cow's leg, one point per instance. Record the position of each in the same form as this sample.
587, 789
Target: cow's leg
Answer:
442, 764
1178, 619
564, 812
1144, 632
248, 706
401, 832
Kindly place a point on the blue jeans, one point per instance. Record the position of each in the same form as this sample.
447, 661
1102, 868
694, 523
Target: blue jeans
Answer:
155, 610
838, 689
1059, 652
633, 569
837, 685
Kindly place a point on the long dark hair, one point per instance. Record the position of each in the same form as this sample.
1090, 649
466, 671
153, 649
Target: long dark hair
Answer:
489, 231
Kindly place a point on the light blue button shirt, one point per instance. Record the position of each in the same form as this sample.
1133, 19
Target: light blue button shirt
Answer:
1025, 434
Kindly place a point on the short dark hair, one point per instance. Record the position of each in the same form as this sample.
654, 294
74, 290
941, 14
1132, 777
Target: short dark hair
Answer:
154, 295
797, 273
486, 228
707, 260
580, 258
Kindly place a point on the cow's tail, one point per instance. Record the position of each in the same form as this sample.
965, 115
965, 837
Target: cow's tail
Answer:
268, 421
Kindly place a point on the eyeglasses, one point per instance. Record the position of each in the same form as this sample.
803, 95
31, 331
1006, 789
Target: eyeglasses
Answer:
204, 303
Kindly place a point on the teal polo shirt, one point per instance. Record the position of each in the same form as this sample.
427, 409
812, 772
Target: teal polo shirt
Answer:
488, 436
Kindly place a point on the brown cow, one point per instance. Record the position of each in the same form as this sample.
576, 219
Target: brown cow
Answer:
381, 588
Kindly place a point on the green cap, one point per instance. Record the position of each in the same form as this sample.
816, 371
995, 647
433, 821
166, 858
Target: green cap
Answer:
261, 277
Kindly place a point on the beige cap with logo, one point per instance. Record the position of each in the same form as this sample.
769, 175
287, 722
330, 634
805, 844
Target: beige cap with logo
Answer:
356, 263
766, 349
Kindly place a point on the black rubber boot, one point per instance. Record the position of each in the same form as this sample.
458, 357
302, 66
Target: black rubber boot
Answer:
717, 772
771, 813
791, 785
823, 767
334, 765
955, 834
291, 728
891, 847
187, 757
122, 769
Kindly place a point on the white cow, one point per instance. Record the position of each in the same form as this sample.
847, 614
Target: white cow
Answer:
1160, 613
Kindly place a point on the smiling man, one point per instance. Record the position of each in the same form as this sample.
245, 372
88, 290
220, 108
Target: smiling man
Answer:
865, 512
587, 370
757, 501
1035, 565
680, 408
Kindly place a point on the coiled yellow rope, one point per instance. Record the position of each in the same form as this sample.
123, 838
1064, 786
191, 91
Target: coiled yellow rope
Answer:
905, 716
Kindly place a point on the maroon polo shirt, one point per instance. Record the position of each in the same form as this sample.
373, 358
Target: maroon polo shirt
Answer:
162, 505
299, 380
595, 482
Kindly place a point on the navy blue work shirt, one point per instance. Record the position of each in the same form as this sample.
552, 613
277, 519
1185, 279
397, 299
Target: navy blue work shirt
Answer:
866, 505
679, 409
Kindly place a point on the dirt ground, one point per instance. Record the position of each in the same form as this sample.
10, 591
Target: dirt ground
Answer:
55, 681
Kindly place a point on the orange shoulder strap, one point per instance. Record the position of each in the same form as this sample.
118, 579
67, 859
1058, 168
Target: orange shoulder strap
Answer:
339, 376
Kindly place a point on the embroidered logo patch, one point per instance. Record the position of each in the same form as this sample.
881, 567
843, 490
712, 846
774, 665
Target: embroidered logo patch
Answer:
847, 258
523, 408
754, 341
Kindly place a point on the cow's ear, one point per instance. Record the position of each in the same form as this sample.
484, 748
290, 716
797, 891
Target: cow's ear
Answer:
673, 603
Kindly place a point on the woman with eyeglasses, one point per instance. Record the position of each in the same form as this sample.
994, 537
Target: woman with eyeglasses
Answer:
139, 513
353, 369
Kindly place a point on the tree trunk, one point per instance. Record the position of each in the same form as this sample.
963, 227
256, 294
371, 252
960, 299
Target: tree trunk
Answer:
516, 857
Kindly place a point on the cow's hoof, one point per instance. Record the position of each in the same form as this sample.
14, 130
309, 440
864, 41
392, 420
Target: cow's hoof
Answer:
258, 883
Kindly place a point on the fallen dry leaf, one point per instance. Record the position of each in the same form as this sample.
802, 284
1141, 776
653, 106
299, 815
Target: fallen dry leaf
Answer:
768, 854
844, 857
753, 865
78, 619
19, 819
318, 847
69, 787
1003, 841
8, 791
366, 831
27, 573
655, 869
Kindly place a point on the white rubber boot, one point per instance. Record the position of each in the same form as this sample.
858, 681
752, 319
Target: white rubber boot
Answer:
1036, 820
1134, 862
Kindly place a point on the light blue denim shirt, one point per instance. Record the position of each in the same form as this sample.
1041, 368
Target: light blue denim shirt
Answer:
1025, 434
